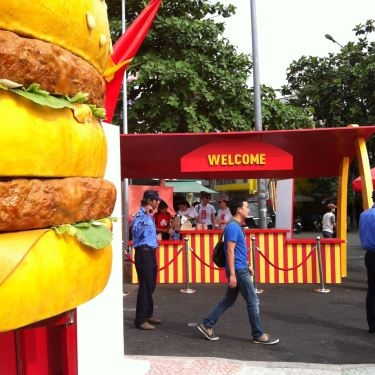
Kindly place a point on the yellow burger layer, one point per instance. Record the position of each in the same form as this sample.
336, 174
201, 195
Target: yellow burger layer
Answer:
43, 274
80, 26
43, 142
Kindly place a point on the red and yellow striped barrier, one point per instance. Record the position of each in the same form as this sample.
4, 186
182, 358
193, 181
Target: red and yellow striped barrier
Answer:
278, 260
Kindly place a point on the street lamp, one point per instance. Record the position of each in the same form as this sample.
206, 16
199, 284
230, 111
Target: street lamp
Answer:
329, 37
258, 114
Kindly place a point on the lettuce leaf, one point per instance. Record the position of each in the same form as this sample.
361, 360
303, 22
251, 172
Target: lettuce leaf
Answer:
93, 233
42, 97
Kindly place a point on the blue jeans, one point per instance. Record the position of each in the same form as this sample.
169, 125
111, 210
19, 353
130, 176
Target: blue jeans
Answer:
246, 288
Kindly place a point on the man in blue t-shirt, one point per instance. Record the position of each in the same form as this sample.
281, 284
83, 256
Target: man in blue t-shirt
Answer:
238, 274
367, 237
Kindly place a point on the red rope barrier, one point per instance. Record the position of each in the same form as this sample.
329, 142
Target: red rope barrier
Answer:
131, 260
171, 261
204, 263
285, 269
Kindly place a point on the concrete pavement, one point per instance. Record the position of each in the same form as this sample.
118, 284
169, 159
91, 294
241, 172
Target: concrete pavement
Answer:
319, 333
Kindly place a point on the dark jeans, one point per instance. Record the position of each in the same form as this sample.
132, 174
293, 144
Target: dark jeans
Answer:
247, 290
145, 264
327, 234
370, 298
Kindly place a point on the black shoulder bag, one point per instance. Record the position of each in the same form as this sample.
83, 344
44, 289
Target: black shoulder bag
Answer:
218, 255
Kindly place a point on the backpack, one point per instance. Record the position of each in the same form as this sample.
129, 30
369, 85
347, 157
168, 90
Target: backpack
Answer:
218, 255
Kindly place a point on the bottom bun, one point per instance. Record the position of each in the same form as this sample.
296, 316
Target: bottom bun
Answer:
43, 274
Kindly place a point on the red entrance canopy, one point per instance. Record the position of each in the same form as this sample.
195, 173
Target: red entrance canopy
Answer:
315, 152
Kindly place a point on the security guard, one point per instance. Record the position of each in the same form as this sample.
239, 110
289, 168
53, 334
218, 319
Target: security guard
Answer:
145, 243
367, 238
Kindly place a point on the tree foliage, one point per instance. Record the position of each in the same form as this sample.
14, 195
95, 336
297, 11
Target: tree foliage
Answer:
189, 78
338, 89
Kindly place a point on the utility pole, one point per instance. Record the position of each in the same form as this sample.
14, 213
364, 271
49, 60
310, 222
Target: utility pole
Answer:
258, 112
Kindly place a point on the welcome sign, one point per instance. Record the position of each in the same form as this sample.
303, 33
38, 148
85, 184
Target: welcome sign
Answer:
236, 155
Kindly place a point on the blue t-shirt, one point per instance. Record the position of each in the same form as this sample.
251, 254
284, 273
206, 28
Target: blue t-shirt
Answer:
367, 229
233, 232
144, 230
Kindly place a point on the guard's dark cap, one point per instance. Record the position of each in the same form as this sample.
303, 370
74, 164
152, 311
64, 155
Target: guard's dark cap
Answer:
151, 194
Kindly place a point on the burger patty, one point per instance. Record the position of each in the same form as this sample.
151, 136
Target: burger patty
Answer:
32, 203
56, 70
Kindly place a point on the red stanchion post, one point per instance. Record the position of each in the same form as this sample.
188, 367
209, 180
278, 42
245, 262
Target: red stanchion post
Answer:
253, 246
322, 289
187, 289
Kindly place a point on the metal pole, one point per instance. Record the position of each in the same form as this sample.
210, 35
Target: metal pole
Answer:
253, 247
257, 111
124, 130
322, 289
187, 289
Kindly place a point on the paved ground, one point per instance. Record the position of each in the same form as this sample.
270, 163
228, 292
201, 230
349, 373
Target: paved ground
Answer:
319, 333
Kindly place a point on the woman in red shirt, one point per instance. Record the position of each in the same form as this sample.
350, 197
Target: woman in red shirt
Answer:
163, 221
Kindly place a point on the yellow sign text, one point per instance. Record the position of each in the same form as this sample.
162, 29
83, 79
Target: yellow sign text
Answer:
236, 159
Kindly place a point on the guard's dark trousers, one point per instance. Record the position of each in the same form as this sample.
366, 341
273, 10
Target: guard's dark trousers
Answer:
370, 299
146, 267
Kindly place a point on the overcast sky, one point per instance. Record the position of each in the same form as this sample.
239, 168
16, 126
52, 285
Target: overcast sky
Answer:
289, 29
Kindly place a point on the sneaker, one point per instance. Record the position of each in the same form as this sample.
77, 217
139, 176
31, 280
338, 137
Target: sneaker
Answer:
146, 326
208, 332
266, 339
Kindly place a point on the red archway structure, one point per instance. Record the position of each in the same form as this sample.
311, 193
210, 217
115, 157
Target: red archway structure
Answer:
314, 152
325, 152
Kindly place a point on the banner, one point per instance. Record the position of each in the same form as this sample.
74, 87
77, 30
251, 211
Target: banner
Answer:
124, 51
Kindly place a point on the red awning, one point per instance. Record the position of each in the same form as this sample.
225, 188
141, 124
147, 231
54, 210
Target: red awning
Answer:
357, 183
315, 152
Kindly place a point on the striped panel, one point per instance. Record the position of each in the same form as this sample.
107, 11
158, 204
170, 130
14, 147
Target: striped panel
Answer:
280, 266
203, 269
174, 273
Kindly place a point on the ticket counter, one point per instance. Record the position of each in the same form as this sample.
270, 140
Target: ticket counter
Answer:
279, 260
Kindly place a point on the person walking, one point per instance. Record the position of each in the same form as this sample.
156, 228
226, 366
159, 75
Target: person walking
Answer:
145, 243
367, 238
329, 221
238, 274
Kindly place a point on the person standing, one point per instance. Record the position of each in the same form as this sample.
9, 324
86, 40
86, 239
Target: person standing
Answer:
329, 221
367, 238
238, 274
145, 244
187, 215
223, 215
163, 220
206, 213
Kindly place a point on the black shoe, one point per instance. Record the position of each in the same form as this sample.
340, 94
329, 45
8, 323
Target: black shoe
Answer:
208, 332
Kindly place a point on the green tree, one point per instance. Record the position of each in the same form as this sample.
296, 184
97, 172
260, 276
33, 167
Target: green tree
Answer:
338, 89
190, 78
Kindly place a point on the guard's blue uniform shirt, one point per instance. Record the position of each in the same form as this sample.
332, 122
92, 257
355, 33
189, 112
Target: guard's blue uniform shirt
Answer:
144, 230
367, 229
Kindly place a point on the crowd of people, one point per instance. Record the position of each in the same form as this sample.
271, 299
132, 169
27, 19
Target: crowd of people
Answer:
200, 215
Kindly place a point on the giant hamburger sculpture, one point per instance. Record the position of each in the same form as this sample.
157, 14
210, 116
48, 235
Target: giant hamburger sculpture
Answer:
55, 250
